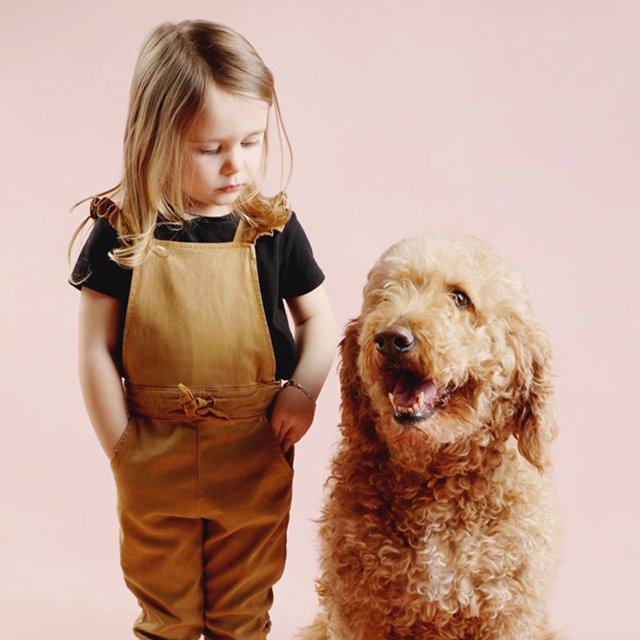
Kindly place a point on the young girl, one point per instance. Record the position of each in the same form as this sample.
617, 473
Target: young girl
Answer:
183, 279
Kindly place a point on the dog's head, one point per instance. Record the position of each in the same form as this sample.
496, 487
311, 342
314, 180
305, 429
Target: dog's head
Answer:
446, 354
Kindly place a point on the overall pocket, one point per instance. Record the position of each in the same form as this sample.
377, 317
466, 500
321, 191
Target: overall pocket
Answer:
286, 460
122, 441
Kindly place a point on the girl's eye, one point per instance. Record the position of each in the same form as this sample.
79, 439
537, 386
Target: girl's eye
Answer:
251, 143
460, 298
210, 152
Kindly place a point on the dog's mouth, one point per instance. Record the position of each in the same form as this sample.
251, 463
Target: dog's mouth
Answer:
415, 399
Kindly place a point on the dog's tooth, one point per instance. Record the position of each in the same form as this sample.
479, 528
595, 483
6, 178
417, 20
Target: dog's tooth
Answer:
421, 398
393, 401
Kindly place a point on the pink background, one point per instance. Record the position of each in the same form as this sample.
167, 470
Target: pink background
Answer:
513, 121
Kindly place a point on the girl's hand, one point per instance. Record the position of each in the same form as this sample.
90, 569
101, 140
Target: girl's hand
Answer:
291, 417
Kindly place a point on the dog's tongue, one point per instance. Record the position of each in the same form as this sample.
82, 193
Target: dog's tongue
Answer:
408, 389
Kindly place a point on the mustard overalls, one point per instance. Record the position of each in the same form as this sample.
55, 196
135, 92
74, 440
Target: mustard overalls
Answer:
204, 490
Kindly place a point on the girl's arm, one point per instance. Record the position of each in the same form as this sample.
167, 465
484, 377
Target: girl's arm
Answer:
316, 344
98, 344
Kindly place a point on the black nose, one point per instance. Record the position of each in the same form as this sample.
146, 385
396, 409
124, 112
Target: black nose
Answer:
394, 340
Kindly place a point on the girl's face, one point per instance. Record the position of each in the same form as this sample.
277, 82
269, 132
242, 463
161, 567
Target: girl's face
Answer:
223, 152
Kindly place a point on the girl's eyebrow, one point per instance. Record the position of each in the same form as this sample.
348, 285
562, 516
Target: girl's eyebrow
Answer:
248, 135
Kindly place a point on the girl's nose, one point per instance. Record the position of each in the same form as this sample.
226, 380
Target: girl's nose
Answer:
233, 162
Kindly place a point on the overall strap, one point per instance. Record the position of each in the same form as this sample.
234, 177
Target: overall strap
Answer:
248, 234
237, 238
245, 233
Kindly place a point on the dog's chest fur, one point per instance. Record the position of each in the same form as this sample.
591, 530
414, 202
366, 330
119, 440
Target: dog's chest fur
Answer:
449, 543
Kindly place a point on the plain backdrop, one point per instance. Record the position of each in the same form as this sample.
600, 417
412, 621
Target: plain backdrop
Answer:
515, 121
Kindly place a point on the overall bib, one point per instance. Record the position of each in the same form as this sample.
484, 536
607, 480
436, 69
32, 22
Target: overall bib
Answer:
204, 490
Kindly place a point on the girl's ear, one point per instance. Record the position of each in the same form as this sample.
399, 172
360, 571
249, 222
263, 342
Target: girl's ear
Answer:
535, 424
356, 411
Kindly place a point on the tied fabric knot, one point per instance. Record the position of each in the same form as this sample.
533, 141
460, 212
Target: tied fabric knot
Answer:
193, 405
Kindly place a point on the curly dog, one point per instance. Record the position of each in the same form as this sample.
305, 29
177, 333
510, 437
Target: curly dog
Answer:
440, 517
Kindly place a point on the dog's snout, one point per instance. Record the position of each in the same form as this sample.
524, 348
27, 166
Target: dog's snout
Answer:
394, 340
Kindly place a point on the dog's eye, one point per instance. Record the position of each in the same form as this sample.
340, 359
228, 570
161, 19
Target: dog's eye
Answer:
460, 298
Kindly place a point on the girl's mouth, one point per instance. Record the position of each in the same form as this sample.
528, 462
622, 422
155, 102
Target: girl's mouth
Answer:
232, 188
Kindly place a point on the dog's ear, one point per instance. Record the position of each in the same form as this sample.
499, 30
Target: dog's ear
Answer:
355, 402
532, 390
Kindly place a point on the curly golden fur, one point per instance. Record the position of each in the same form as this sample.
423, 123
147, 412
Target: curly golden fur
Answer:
440, 518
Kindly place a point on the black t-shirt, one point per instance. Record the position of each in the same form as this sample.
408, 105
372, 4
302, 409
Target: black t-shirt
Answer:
286, 269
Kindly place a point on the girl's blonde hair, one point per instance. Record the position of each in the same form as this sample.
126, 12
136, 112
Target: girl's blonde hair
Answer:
175, 69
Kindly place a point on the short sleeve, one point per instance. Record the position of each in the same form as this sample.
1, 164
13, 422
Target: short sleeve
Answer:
299, 271
96, 270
